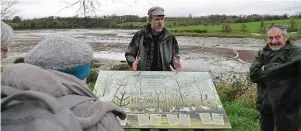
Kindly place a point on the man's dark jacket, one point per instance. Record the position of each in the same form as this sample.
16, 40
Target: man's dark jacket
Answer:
270, 59
283, 86
142, 45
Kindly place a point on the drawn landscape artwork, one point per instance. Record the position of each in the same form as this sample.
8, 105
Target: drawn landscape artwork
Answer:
161, 99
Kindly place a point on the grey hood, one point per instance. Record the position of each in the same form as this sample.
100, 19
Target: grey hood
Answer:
91, 114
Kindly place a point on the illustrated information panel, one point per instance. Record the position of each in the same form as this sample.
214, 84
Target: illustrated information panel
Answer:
154, 99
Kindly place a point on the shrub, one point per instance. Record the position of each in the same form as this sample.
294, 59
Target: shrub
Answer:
243, 27
227, 28
236, 87
121, 67
200, 31
93, 74
91, 86
94, 64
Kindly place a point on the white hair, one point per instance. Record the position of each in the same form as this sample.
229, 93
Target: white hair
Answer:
7, 34
281, 27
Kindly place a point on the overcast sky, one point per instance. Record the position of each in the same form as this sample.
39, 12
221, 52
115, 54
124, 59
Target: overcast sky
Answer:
44, 8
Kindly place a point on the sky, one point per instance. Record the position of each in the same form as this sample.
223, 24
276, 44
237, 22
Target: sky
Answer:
44, 8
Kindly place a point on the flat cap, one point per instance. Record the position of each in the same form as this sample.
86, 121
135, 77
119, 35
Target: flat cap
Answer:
156, 10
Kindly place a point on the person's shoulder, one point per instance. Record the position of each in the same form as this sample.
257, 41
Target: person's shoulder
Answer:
260, 52
294, 47
139, 33
170, 34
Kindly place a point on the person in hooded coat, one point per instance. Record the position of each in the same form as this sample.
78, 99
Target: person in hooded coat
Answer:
59, 66
283, 86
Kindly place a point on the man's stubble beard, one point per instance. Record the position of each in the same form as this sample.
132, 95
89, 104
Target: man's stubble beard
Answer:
158, 30
275, 48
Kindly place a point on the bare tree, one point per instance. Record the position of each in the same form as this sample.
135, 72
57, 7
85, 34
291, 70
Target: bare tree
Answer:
106, 83
85, 7
140, 97
88, 7
8, 9
102, 85
122, 99
165, 104
158, 94
199, 88
179, 90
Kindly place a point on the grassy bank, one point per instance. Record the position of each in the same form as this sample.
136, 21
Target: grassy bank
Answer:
237, 95
254, 27
235, 30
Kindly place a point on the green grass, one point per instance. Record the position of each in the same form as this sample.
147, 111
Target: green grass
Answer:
253, 27
216, 30
234, 34
236, 30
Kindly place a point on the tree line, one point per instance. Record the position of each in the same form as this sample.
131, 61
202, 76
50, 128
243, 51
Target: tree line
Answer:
115, 21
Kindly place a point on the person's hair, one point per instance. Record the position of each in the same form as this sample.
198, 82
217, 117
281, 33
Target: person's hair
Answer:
6, 34
19, 60
281, 27
149, 18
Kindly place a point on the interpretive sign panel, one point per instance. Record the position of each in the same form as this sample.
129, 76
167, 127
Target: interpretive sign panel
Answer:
164, 99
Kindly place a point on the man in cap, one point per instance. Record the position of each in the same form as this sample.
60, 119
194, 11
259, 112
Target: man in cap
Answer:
6, 39
153, 48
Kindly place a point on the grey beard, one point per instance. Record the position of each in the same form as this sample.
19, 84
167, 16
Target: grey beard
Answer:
275, 49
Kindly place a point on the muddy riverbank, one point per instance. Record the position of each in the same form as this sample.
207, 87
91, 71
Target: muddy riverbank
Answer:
219, 55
